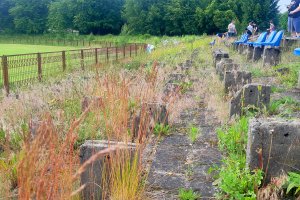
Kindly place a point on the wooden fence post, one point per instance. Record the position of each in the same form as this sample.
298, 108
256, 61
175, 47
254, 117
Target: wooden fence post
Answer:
5, 74
63, 59
82, 59
116, 53
135, 47
39, 60
107, 56
130, 50
96, 55
124, 51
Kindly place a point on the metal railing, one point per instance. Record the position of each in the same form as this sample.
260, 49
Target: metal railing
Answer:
18, 70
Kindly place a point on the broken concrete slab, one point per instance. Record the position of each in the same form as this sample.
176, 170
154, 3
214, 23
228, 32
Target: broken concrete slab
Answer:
92, 176
254, 95
218, 54
273, 146
235, 80
271, 56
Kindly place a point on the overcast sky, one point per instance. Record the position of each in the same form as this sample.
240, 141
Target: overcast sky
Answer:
282, 5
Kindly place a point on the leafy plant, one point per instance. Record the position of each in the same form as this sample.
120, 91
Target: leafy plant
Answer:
161, 129
188, 194
193, 133
293, 182
236, 181
233, 139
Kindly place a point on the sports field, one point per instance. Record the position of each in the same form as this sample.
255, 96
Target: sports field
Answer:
12, 49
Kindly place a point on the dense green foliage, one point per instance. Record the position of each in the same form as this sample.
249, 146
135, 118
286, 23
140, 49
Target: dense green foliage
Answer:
156, 17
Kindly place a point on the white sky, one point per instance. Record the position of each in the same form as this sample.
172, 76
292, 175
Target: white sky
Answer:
282, 5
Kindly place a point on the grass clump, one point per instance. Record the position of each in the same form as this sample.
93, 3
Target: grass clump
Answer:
235, 180
290, 78
161, 129
188, 194
284, 106
193, 133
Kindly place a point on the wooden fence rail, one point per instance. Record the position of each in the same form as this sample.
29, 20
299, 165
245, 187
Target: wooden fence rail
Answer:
18, 70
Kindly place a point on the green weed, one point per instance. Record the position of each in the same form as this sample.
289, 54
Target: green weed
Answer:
235, 180
193, 133
188, 194
161, 129
185, 86
284, 106
290, 78
233, 139
293, 182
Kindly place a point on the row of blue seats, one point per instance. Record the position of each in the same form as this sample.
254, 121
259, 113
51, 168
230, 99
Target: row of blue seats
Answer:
272, 40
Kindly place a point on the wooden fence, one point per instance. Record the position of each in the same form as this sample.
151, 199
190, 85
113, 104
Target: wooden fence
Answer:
18, 70
55, 42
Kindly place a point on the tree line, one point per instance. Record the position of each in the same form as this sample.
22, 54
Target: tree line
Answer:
155, 17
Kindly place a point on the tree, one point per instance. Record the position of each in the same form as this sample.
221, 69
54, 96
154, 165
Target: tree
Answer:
6, 20
61, 15
98, 16
30, 16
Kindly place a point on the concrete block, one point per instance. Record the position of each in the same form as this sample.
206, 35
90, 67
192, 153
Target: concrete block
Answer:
225, 64
273, 146
242, 49
257, 53
92, 176
271, 56
218, 54
158, 112
250, 95
249, 52
151, 113
235, 80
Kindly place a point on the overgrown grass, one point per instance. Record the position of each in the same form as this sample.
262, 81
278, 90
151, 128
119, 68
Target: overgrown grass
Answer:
235, 180
290, 78
284, 107
55, 107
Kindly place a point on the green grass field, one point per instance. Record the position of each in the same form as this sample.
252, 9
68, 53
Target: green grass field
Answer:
12, 49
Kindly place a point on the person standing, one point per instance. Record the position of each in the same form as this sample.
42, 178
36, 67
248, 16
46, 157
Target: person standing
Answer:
294, 13
290, 20
231, 29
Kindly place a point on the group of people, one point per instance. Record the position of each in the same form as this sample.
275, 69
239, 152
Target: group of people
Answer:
294, 18
252, 28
